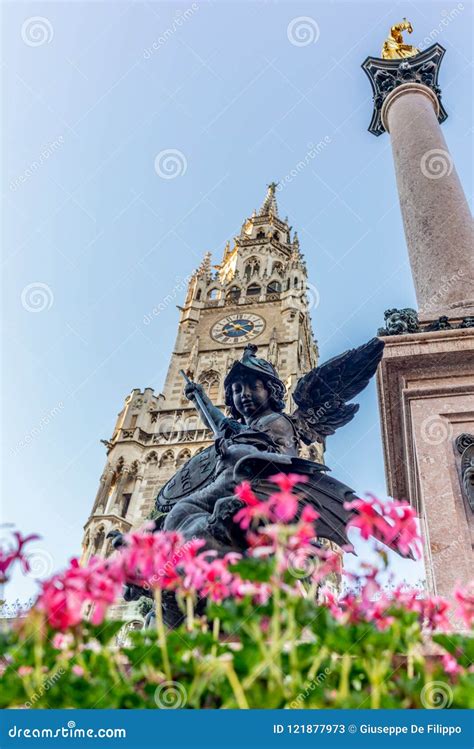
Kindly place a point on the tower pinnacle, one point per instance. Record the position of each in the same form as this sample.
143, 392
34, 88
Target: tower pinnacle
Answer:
269, 205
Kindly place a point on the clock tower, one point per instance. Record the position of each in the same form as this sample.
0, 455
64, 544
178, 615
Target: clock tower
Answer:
259, 292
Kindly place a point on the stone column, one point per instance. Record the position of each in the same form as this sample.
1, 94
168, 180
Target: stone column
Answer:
436, 216
437, 220
426, 376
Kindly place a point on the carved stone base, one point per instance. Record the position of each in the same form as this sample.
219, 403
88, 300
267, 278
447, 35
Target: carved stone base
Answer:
426, 400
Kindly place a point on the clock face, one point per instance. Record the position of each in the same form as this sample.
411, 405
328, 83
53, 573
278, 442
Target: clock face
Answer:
237, 328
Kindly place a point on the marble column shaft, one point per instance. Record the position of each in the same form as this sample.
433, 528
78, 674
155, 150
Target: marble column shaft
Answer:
436, 216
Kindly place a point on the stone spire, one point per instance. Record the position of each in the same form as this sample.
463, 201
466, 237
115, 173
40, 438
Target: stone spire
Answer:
269, 205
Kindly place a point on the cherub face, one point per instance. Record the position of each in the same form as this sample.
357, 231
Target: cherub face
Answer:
250, 396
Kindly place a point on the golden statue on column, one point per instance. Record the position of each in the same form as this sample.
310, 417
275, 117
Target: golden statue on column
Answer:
394, 47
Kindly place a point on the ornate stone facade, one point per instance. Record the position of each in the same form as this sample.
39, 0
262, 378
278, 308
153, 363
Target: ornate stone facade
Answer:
261, 281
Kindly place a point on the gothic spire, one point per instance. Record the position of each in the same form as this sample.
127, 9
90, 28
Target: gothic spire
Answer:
269, 204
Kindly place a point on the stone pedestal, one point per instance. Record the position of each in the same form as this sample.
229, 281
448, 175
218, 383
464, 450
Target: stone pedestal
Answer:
426, 399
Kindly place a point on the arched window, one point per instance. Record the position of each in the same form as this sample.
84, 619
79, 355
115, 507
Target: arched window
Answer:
167, 461
288, 285
252, 268
109, 549
210, 380
183, 456
276, 236
198, 295
278, 268
212, 293
274, 287
98, 541
261, 234
233, 294
254, 290
295, 283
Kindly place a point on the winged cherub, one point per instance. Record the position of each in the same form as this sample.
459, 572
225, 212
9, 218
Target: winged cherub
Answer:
259, 439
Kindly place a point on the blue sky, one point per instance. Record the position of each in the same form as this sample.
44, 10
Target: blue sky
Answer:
96, 239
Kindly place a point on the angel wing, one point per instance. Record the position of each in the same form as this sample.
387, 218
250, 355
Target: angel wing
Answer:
321, 394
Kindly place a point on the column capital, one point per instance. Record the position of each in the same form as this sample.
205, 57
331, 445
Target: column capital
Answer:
407, 88
387, 75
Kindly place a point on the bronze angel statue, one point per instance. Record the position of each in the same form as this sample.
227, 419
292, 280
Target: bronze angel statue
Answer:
259, 439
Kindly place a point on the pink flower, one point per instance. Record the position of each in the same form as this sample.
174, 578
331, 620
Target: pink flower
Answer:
218, 578
77, 670
151, 560
61, 641
393, 523
405, 536
25, 670
287, 481
465, 600
309, 514
451, 666
434, 613
367, 520
9, 556
284, 506
330, 562
254, 510
65, 596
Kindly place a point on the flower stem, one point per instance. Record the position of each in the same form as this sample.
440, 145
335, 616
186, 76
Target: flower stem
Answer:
189, 613
215, 634
237, 689
160, 628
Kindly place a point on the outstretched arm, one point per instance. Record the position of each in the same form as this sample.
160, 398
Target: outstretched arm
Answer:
215, 413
